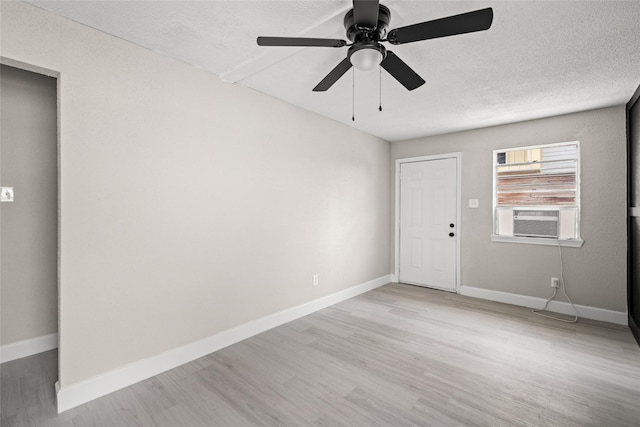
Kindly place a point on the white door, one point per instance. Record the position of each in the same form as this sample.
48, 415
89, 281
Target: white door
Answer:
428, 228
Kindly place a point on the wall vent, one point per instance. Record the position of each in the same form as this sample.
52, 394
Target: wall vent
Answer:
535, 223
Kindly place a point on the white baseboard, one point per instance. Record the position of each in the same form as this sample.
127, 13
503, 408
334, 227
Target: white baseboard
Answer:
20, 349
587, 312
76, 394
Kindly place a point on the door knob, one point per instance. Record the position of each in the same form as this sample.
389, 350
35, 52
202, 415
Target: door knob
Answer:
451, 234
451, 225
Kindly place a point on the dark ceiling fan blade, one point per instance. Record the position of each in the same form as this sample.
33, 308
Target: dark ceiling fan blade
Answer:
365, 13
401, 71
469, 22
300, 41
333, 76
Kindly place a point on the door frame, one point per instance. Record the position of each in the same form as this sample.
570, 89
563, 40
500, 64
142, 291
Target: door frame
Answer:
632, 211
399, 162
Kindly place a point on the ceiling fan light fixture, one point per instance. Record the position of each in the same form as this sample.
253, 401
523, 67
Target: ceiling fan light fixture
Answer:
366, 25
366, 56
366, 59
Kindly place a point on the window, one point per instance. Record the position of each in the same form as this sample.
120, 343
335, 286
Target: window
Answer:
536, 194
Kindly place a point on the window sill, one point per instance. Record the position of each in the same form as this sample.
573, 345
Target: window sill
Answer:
571, 243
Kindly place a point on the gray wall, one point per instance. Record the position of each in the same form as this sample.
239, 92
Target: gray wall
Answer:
188, 205
595, 274
29, 271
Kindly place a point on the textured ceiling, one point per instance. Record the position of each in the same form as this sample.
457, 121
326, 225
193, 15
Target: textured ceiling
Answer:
538, 59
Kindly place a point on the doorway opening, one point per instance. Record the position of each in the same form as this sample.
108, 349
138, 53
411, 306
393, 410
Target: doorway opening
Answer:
29, 220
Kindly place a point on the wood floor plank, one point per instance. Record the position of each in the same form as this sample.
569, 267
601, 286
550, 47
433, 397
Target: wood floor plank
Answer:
399, 355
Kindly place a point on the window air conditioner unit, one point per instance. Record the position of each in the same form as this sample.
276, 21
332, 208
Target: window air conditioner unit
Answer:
535, 223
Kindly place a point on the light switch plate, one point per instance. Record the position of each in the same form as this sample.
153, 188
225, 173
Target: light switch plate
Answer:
6, 194
474, 203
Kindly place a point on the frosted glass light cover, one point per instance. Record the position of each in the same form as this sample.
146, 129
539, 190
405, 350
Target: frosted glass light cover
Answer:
365, 59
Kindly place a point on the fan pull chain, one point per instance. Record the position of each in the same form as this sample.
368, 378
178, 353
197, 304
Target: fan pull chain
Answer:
353, 95
380, 107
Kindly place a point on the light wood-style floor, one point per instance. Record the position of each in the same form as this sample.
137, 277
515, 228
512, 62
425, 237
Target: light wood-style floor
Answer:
396, 356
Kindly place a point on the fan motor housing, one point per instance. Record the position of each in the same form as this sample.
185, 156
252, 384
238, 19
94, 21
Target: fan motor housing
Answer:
358, 34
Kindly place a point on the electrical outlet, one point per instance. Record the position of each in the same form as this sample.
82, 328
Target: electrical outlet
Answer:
555, 282
315, 280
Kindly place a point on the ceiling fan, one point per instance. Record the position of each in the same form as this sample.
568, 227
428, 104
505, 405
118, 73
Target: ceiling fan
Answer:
366, 26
